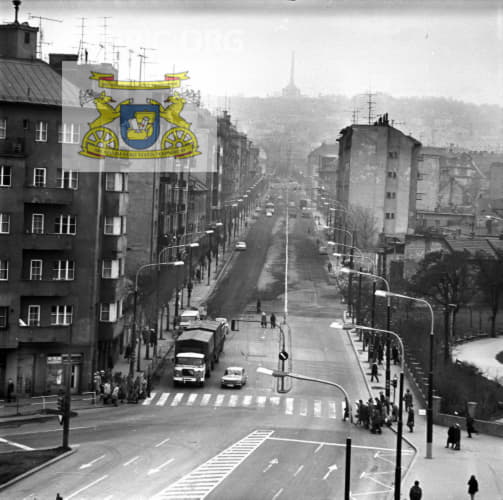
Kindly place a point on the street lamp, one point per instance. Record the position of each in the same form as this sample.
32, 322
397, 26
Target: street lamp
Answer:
190, 285
133, 336
398, 462
388, 322
218, 226
429, 409
209, 232
279, 373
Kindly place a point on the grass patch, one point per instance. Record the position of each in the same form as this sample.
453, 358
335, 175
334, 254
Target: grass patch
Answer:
15, 463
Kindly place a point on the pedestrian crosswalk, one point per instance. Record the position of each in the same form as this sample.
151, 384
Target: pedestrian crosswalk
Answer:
317, 408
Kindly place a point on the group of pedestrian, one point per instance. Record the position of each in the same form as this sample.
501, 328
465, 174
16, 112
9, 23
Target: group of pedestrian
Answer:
376, 413
263, 317
454, 437
416, 493
112, 389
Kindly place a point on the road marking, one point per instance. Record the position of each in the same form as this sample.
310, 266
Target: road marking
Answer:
331, 409
261, 401
247, 400
330, 469
289, 406
319, 448
326, 443
205, 478
192, 399
233, 401
219, 400
162, 442
149, 400
205, 399
86, 487
274, 400
176, 400
274, 461
129, 462
92, 462
317, 408
157, 469
163, 399
278, 493
303, 408
18, 445
298, 470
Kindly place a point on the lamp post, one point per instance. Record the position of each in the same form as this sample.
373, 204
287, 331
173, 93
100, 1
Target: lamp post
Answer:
278, 373
218, 226
399, 435
429, 409
133, 336
234, 206
190, 285
209, 232
388, 324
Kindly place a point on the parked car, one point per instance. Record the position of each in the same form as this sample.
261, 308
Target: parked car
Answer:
240, 245
268, 214
323, 250
234, 376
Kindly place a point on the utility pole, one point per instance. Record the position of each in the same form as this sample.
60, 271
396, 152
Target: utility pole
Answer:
41, 33
81, 52
143, 56
105, 35
370, 105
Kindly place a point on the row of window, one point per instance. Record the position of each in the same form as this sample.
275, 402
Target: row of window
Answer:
68, 133
65, 224
65, 179
64, 270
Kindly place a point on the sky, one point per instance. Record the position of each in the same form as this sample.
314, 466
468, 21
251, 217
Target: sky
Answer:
244, 47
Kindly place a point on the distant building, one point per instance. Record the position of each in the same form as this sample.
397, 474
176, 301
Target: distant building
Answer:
377, 171
322, 165
291, 89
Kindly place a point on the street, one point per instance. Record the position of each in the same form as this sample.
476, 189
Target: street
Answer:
249, 443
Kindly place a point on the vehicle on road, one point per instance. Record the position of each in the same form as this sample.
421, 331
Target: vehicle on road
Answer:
197, 350
323, 250
268, 213
234, 376
188, 317
240, 245
292, 213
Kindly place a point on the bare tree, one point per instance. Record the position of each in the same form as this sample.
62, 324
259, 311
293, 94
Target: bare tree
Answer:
364, 225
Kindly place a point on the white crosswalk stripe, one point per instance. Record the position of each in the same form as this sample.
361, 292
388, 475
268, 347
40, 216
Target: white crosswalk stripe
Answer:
177, 399
247, 400
192, 399
261, 401
331, 409
162, 400
233, 401
149, 400
205, 399
303, 408
274, 400
289, 406
220, 399
317, 409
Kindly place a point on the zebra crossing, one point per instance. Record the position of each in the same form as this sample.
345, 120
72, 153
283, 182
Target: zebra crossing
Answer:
290, 406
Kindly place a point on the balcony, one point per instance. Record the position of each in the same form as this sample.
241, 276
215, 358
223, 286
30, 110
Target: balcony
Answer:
41, 334
48, 196
47, 241
45, 288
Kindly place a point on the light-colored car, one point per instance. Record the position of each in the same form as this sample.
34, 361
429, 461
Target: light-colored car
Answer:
240, 245
234, 376
268, 213
323, 251
189, 316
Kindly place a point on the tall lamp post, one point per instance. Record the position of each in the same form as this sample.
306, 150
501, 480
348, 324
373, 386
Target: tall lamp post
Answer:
190, 285
133, 336
388, 323
298, 376
209, 232
429, 409
218, 226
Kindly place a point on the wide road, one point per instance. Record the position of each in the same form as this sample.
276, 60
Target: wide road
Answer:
236, 444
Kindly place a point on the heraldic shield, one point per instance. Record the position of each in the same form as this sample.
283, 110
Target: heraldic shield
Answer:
139, 124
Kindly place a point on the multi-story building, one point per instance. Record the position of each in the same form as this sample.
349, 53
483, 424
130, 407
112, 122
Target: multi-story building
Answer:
62, 232
377, 172
322, 165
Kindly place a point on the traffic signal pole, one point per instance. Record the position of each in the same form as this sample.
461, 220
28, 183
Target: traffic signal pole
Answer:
67, 398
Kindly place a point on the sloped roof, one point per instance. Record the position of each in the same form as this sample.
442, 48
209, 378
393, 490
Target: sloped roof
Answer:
470, 246
497, 244
34, 82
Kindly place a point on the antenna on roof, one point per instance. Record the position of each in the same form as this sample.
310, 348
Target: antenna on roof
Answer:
82, 52
142, 59
41, 34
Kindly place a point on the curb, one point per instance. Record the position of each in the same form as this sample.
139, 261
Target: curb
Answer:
39, 467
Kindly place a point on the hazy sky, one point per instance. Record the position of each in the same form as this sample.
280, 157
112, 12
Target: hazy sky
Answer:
450, 49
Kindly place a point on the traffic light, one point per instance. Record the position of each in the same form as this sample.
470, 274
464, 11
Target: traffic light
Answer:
61, 409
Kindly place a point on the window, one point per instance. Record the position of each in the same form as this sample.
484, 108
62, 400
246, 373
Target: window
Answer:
115, 225
61, 315
391, 195
110, 269
39, 176
392, 154
35, 269
391, 175
26, 37
65, 224
33, 315
3, 128
69, 133
108, 312
419, 196
4, 316
420, 177
37, 223
41, 131
116, 181
390, 215
4, 269
67, 179
4, 223
5, 176
63, 270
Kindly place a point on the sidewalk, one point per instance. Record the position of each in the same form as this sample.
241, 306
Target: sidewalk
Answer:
444, 476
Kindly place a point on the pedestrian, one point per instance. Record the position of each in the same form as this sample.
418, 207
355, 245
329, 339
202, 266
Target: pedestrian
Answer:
374, 372
380, 353
457, 437
473, 487
394, 355
263, 321
273, 320
407, 399
107, 392
470, 426
10, 390
415, 493
58, 497
258, 306
115, 395
410, 418
451, 433
329, 266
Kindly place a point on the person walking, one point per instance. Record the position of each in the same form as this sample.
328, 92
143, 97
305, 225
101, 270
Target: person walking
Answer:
457, 437
407, 399
451, 432
410, 419
374, 373
329, 266
415, 493
10, 390
263, 321
259, 310
273, 320
470, 426
473, 487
